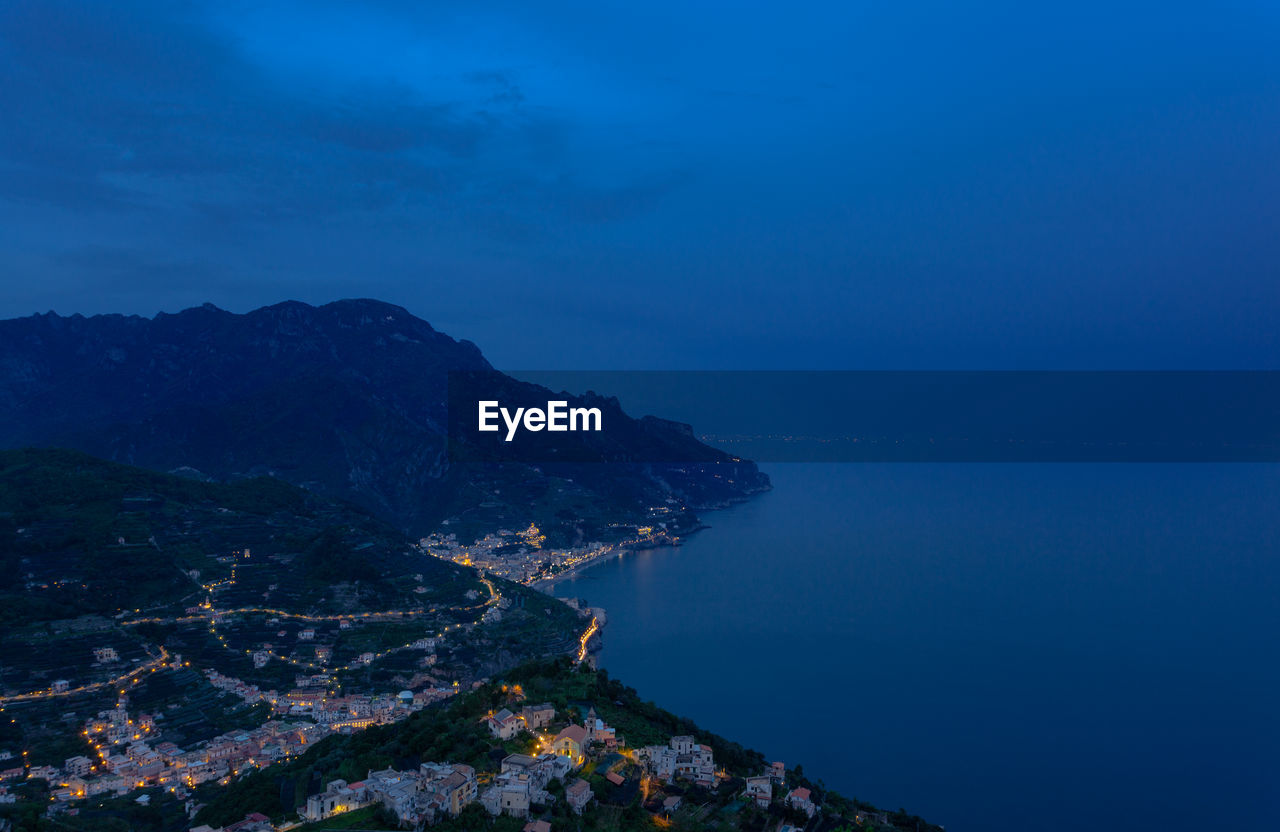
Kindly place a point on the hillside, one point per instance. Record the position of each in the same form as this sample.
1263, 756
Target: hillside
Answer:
348, 399
112, 575
83, 536
456, 733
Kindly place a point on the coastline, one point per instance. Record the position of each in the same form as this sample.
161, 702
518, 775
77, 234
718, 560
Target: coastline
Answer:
547, 584
629, 547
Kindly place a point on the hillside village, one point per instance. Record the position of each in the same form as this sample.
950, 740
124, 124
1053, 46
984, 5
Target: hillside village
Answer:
548, 748
260, 696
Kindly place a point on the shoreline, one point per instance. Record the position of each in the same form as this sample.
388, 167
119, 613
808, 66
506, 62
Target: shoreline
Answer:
544, 585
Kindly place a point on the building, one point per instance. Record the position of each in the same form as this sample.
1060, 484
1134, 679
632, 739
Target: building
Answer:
518, 763
504, 725
681, 757
448, 788
77, 766
800, 800
760, 790
598, 731
538, 716
522, 783
46, 773
396, 790
571, 743
578, 794
337, 798
252, 822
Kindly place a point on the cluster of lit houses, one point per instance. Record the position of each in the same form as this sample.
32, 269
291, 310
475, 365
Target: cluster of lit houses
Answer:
521, 557
426, 795
760, 791
439, 790
516, 556
311, 698
522, 780
131, 755
416, 797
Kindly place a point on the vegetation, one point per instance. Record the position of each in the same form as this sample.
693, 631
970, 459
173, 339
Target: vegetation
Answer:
83, 535
454, 732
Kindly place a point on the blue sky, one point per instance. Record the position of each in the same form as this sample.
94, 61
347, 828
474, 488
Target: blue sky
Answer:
662, 185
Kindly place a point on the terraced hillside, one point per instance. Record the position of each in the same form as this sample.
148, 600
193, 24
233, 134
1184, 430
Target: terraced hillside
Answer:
115, 579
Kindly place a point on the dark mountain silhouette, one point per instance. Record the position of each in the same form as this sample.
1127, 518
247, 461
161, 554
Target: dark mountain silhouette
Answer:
348, 399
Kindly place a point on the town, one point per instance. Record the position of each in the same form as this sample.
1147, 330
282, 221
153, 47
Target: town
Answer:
569, 761
523, 557
247, 667
130, 749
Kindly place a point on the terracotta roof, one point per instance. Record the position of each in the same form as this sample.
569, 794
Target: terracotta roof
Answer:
574, 732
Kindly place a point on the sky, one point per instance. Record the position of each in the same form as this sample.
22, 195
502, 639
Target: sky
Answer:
589, 185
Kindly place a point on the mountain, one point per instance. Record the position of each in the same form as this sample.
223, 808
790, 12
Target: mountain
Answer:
348, 400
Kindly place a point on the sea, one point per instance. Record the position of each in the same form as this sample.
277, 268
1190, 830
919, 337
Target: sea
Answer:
991, 646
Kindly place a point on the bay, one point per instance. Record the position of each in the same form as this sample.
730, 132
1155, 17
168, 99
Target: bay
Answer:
994, 647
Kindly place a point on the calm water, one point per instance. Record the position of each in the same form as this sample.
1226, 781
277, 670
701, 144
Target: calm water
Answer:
994, 647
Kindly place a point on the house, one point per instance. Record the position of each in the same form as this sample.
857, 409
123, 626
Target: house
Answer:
518, 763
252, 822
571, 743
778, 771
681, 757
47, 773
760, 790
671, 804
537, 826
77, 787
504, 725
510, 795
397, 791
522, 783
337, 798
597, 731
77, 766
615, 778
538, 716
451, 788
578, 794
799, 799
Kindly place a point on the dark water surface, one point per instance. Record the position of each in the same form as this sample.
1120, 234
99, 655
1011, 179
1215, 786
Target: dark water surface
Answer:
995, 647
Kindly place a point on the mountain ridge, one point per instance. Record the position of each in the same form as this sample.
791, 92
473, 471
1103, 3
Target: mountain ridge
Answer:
347, 399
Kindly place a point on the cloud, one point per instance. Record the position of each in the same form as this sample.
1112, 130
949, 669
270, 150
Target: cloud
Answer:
148, 106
